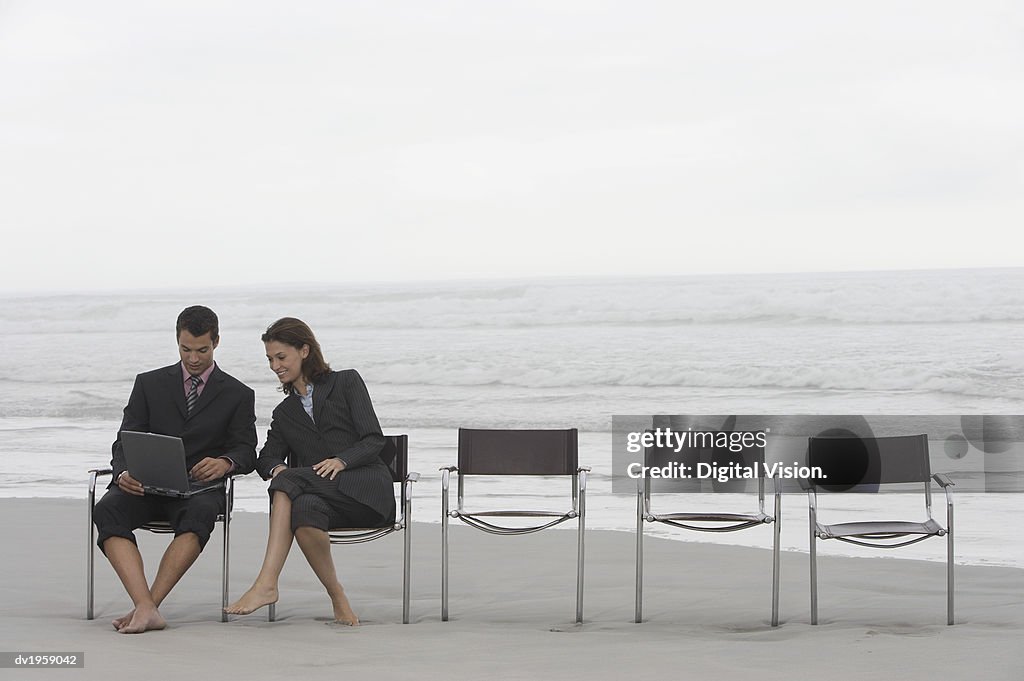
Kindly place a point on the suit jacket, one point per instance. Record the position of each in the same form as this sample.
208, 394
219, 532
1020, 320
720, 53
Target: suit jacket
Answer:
344, 425
222, 423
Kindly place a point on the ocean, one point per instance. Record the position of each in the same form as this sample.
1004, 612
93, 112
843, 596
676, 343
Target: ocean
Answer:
552, 353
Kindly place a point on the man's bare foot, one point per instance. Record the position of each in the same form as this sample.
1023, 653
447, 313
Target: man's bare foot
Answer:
123, 620
253, 599
343, 613
144, 619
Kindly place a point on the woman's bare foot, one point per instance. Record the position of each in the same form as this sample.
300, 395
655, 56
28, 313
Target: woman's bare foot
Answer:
123, 620
253, 599
343, 613
144, 619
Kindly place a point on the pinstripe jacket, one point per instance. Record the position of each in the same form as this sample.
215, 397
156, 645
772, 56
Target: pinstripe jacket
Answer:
343, 425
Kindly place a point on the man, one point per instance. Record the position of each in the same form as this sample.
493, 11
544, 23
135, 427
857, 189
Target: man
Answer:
214, 414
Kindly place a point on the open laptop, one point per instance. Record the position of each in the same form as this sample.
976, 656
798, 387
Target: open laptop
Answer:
158, 462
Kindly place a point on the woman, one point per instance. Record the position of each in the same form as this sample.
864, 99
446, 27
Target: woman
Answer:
322, 458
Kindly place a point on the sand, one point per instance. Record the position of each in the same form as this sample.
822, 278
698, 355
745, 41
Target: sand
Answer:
706, 611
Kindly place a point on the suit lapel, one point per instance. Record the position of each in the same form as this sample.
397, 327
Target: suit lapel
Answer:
292, 407
320, 395
213, 387
177, 388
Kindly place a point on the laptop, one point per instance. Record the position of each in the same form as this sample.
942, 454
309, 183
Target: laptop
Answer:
158, 462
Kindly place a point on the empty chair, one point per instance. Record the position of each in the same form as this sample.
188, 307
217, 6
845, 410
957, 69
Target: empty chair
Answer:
395, 454
515, 452
158, 527
855, 463
705, 521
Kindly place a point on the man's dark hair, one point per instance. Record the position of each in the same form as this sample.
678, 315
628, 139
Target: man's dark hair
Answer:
198, 320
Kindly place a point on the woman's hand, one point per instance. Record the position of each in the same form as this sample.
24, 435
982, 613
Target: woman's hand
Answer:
328, 468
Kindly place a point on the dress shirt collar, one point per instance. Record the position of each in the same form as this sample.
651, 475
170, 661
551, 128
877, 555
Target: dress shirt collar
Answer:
186, 377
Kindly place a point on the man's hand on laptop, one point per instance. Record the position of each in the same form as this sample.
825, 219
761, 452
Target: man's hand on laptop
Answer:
210, 469
129, 485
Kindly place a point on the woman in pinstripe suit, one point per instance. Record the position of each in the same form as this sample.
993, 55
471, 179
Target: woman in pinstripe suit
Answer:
322, 457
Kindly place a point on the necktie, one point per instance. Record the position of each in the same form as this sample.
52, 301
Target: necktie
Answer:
193, 394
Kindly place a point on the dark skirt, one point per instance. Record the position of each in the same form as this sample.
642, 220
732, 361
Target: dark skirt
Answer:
316, 502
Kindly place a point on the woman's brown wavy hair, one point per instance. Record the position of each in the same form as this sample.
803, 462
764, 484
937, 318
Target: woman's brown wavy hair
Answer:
296, 333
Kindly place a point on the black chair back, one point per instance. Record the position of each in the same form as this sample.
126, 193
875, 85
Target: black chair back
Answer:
849, 461
395, 456
518, 452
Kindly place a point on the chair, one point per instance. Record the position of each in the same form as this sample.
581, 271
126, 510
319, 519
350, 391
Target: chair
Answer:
852, 463
159, 527
396, 455
515, 452
713, 521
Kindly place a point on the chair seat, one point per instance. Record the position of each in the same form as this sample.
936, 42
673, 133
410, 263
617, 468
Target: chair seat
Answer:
158, 526
476, 520
390, 527
359, 535
717, 517
517, 514
879, 529
164, 526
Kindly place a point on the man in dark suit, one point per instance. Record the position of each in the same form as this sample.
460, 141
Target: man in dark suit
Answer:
214, 414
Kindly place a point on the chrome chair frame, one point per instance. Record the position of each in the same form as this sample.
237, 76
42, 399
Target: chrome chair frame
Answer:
883, 534
721, 522
359, 535
578, 512
158, 527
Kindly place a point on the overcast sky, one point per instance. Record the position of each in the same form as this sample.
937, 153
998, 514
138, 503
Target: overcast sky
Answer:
147, 144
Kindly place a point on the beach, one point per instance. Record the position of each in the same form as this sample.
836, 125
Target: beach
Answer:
706, 611
540, 354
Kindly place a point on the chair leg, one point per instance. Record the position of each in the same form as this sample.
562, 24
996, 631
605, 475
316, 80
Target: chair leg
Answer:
272, 608
225, 566
579, 560
638, 611
444, 559
406, 567
949, 570
91, 547
814, 575
776, 560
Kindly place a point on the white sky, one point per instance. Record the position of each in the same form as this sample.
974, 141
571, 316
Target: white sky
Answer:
415, 139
